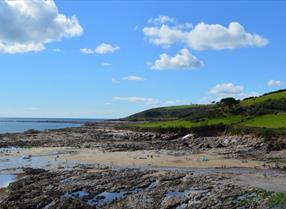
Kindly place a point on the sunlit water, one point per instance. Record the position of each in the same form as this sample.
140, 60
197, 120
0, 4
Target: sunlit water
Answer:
13, 159
6, 179
14, 125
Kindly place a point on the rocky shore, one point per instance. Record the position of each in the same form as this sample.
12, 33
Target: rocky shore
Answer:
167, 170
128, 188
105, 137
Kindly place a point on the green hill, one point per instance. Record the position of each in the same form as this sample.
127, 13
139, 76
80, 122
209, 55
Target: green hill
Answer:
277, 95
173, 113
266, 111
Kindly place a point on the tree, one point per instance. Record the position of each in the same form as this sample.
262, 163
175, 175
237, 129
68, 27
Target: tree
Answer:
229, 102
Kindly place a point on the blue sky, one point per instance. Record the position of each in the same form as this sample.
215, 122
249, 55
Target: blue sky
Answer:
45, 72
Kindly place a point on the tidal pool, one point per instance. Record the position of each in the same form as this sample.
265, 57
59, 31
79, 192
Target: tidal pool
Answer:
6, 179
17, 158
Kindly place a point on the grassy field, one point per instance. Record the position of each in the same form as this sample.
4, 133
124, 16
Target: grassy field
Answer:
189, 124
181, 107
273, 96
264, 121
267, 121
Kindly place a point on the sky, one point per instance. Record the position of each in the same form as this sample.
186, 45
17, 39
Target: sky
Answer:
110, 59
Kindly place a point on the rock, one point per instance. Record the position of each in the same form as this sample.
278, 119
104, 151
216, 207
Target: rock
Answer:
219, 145
123, 188
188, 136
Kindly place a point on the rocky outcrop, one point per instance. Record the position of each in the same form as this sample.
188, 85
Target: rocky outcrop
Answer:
126, 188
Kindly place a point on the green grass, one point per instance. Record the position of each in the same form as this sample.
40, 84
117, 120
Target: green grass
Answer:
273, 96
267, 121
181, 107
189, 124
277, 200
256, 115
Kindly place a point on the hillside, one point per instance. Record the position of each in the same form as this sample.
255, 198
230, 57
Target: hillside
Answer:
276, 95
265, 111
173, 112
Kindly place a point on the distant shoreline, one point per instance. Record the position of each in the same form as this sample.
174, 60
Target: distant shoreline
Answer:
46, 120
20, 125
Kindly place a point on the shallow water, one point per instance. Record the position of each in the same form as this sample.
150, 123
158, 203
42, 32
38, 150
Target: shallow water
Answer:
17, 158
77, 194
34, 162
13, 159
105, 197
6, 179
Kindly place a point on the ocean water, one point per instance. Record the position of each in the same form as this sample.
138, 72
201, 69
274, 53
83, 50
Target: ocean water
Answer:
15, 125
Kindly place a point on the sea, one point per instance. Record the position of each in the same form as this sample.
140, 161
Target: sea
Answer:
16, 125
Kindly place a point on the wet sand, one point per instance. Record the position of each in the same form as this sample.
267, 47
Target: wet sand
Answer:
241, 172
163, 158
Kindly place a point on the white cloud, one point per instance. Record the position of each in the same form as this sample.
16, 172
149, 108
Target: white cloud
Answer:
26, 26
229, 90
164, 35
204, 36
101, 49
226, 90
162, 19
184, 26
105, 48
87, 51
273, 83
133, 78
106, 64
143, 100
217, 37
184, 60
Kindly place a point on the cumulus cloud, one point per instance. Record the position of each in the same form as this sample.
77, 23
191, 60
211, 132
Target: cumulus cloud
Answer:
162, 19
164, 35
27, 26
105, 48
229, 90
273, 83
133, 78
226, 90
217, 37
184, 60
204, 36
